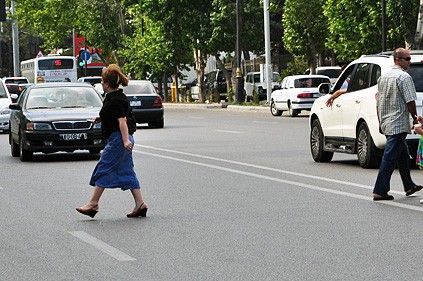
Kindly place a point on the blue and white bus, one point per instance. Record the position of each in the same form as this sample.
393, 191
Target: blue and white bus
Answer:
50, 69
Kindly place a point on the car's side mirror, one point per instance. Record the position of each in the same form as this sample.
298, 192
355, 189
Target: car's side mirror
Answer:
324, 88
14, 106
276, 87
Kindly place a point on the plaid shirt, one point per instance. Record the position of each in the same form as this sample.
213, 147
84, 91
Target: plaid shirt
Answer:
395, 90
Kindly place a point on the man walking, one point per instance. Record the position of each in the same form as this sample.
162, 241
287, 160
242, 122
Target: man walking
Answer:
396, 100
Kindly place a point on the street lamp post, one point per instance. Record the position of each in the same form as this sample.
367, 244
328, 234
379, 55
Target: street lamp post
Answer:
383, 25
239, 77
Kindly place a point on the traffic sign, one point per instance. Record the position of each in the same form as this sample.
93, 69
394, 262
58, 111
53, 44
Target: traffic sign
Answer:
85, 55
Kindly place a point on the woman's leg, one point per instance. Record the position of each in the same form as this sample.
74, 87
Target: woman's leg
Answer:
139, 200
95, 198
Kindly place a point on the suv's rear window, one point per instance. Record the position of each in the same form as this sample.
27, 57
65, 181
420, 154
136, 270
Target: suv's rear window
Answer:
416, 72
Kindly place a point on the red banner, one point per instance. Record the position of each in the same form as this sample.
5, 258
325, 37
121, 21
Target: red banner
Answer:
95, 60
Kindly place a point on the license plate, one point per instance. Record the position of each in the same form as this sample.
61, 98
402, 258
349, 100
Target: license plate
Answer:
76, 136
135, 103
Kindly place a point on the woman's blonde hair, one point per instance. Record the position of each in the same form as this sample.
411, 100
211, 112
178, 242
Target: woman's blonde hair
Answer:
114, 77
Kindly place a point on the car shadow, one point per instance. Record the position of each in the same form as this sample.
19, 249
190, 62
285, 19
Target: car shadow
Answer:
65, 157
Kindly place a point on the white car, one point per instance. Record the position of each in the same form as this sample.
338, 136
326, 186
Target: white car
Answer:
332, 72
256, 79
297, 93
5, 101
90, 79
351, 124
15, 80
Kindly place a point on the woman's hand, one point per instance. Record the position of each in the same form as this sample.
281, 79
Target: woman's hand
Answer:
128, 145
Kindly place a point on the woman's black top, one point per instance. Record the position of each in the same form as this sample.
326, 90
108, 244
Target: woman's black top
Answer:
115, 106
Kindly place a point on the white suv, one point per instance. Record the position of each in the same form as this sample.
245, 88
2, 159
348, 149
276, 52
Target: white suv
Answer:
351, 125
255, 79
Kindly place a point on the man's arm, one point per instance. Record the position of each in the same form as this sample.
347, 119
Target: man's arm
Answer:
413, 111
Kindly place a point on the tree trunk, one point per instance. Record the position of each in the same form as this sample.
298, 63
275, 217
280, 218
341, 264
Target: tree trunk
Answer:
419, 29
200, 65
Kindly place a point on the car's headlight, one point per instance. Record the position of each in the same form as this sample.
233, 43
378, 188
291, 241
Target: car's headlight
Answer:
38, 126
97, 125
5, 111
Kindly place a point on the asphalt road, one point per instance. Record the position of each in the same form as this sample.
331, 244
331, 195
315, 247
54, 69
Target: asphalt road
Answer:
232, 195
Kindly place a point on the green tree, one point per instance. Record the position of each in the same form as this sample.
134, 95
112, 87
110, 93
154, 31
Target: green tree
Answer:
355, 26
305, 29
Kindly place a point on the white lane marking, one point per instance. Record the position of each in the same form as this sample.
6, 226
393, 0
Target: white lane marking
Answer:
266, 168
225, 131
102, 246
313, 187
266, 122
195, 117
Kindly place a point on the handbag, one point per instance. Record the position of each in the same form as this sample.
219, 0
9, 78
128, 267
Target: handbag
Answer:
131, 121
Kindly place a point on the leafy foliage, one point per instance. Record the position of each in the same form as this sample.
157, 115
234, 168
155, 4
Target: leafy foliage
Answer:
305, 28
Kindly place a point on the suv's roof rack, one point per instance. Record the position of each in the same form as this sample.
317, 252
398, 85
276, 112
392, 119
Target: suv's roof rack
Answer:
385, 55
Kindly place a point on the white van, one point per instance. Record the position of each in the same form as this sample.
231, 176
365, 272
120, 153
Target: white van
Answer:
254, 79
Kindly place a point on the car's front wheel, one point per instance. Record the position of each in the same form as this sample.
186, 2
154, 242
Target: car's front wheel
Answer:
25, 155
274, 110
368, 155
316, 143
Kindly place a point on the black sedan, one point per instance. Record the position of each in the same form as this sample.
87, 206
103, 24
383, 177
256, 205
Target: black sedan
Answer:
54, 117
146, 104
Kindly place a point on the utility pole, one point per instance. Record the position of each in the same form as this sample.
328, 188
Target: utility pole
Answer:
383, 25
239, 93
15, 42
268, 62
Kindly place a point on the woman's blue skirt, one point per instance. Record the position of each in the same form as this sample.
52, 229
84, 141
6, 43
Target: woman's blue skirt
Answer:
115, 169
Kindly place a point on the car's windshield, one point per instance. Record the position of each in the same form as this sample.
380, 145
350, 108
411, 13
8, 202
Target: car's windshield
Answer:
416, 72
63, 97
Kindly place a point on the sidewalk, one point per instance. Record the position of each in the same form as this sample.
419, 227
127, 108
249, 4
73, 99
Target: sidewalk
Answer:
216, 105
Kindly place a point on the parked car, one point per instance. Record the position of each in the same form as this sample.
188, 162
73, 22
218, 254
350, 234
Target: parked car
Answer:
17, 88
256, 79
297, 93
216, 86
15, 80
351, 124
146, 104
192, 89
90, 79
166, 85
52, 117
332, 72
5, 101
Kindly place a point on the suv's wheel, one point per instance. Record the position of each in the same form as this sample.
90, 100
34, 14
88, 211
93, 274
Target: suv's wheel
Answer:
14, 148
369, 156
274, 110
316, 143
25, 155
